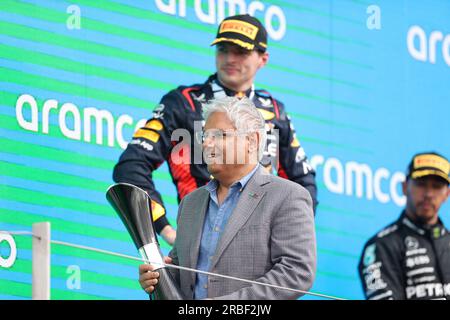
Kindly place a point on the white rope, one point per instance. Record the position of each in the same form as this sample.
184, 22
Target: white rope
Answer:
251, 281
193, 270
77, 246
19, 233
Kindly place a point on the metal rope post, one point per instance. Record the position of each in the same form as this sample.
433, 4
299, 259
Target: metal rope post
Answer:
41, 261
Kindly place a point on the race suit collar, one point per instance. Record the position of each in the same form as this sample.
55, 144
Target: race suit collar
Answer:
436, 231
219, 90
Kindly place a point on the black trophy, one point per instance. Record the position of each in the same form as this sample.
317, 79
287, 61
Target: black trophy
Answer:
133, 206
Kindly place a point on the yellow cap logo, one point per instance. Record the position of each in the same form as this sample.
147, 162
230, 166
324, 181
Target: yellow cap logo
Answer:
433, 161
241, 27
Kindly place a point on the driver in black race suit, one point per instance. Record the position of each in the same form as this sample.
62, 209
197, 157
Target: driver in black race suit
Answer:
241, 51
410, 259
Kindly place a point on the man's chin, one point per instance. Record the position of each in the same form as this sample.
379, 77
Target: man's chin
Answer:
425, 215
214, 168
229, 78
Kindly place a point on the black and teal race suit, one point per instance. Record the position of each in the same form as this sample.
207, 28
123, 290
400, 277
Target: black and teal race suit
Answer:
407, 261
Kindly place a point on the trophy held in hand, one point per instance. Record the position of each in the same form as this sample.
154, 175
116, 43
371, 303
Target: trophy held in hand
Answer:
133, 205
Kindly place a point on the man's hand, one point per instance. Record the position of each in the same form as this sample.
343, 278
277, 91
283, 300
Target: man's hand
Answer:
169, 234
149, 278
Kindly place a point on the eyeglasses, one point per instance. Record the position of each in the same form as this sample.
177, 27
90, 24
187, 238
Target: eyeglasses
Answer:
216, 134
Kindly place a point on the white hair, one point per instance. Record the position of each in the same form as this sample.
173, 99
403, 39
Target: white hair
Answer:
243, 114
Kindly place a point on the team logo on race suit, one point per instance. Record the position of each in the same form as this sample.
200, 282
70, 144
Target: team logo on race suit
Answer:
295, 143
272, 140
372, 270
373, 278
300, 156
201, 98
411, 243
387, 231
147, 146
369, 255
428, 290
267, 115
266, 103
417, 261
147, 134
155, 125
158, 113
157, 210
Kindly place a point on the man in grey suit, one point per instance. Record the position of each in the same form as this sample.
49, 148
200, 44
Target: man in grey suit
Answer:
245, 223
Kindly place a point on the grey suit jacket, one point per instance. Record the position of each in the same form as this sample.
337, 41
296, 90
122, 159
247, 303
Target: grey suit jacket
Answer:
270, 237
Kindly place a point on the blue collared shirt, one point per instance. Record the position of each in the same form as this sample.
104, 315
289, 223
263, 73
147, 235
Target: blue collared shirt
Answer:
215, 221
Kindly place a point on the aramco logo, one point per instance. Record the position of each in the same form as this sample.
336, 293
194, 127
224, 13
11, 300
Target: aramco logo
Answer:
428, 48
213, 12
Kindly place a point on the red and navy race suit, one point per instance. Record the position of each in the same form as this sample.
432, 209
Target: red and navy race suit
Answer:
152, 145
407, 261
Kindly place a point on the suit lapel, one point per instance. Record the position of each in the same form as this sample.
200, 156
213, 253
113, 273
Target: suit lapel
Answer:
248, 201
197, 228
